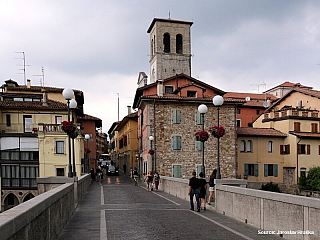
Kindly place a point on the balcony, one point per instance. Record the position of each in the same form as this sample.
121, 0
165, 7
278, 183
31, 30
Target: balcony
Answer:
291, 113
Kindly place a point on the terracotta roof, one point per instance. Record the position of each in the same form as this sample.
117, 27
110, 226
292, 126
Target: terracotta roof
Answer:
89, 117
253, 96
51, 104
306, 134
253, 104
289, 84
262, 132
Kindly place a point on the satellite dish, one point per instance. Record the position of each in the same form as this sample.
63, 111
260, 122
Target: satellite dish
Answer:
265, 104
247, 98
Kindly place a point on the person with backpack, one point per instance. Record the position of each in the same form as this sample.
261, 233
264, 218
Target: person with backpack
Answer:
203, 190
211, 184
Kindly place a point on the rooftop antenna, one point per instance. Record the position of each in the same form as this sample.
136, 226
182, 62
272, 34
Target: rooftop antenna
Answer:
41, 75
118, 107
169, 14
24, 66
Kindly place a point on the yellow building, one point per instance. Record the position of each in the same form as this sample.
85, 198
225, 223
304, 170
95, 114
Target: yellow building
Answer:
128, 141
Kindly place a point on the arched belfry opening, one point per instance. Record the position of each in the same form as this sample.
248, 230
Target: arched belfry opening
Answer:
166, 42
179, 45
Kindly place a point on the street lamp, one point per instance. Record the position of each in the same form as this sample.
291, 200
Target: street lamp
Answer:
203, 109
73, 105
218, 101
87, 137
68, 95
151, 138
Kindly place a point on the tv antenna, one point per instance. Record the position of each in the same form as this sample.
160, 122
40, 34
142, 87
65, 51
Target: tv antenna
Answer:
41, 75
259, 85
24, 66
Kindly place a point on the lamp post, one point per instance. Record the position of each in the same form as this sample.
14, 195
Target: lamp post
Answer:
87, 137
218, 101
151, 138
203, 109
68, 95
73, 105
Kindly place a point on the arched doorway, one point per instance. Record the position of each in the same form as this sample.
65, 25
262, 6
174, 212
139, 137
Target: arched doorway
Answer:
28, 197
10, 201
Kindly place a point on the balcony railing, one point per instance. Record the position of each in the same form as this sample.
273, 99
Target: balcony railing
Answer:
50, 128
292, 112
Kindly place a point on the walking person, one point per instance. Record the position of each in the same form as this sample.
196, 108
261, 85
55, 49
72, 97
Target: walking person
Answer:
92, 174
149, 180
135, 176
211, 184
193, 190
124, 168
156, 181
203, 191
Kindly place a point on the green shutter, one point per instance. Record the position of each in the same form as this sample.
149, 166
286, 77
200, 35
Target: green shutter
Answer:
176, 142
178, 116
179, 142
275, 168
177, 171
173, 115
246, 169
266, 170
198, 118
256, 170
199, 168
199, 145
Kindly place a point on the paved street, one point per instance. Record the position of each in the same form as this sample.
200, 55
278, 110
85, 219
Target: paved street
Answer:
116, 209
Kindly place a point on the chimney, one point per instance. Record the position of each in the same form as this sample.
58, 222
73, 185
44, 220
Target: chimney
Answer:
160, 88
129, 109
44, 97
28, 83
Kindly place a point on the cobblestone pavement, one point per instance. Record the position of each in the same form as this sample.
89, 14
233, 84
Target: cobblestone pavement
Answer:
116, 209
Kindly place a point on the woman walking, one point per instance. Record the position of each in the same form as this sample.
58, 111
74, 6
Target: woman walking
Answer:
149, 180
203, 190
211, 184
156, 181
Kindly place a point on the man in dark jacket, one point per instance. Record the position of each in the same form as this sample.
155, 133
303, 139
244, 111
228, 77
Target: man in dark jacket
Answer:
194, 190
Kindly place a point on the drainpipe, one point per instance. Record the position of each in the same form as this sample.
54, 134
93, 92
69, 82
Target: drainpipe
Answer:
298, 160
154, 132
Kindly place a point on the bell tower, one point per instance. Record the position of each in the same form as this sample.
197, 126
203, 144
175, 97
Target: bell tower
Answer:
170, 48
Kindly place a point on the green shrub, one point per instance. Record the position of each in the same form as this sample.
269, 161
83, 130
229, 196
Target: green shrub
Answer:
313, 179
271, 187
302, 182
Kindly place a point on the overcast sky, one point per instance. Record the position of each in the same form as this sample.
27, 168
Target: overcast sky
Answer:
100, 47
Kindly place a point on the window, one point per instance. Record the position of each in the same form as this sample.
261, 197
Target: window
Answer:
179, 45
192, 94
238, 111
198, 169
296, 126
249, 146
304, 149
8, 120
176, 116
314, 127
258, 112
271, 170
27, 122
285, 149
60, 171
251, 170
242, 146
59, 147
125, 140
238, 122
176, 142
303, 172
270, 147
199, 119
58, 119
166, 42
199, 145
176, 171
168, 89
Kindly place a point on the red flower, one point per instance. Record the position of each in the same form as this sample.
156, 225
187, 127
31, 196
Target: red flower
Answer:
201, 136
151, 151
87, 150
68, 127
217, 131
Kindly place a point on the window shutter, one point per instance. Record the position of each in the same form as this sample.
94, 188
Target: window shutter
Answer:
288, 148
198, 117
281, 149
173, 115
266, 170
246, 169
174, 140
178, 116
179, 142
308, 149
299, 148
174, 174
256, 170
296, 126
319, 149
199, 145
275, 168
199, 168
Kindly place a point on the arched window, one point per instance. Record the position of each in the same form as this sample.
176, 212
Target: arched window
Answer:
179, 48
166, 42
270, 146
10, 201
28, 197
242, 146
249, 146
151, 50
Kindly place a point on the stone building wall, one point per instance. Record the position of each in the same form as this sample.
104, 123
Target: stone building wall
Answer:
188, 156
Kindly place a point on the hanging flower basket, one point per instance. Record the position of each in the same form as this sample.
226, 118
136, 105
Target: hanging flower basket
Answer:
201, 136
217, 131
151, 151
87, 150
68, 127
75, 133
